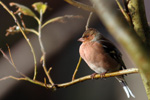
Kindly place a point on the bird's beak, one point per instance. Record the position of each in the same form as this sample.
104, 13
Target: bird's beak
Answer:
81, 39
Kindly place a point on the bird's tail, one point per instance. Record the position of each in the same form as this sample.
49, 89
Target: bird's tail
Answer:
126, 88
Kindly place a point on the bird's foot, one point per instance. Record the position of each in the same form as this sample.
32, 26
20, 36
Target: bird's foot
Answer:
93, 75
103, 74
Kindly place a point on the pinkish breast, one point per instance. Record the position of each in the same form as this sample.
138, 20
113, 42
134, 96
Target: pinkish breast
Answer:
94, 55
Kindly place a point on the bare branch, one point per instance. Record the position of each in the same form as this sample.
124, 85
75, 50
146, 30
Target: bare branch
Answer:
81, 79
11, 77
77, 67
6, 57
43, 51
80, 5
60, 19
127, 17
11, 60
49, 70
13, 64
88, 21
14, 29
23, 33
88, 77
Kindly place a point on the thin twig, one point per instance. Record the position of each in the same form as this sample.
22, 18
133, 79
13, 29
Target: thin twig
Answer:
28, 41
49, 70
127, 17
12, 62
35, 17
43, 51
25, 79
45, 82
88, 21
6, 57
88, 77
22, 22
11, 59
77, 67
80, 5
31, 30
11, 77
13, 30
60, 19
48, 76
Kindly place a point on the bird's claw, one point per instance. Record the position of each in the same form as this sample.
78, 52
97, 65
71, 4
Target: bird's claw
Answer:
93, 75
102, 75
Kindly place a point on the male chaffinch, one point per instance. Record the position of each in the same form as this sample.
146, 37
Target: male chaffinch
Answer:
102, 56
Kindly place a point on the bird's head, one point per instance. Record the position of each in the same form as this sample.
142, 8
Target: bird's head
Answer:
90, 35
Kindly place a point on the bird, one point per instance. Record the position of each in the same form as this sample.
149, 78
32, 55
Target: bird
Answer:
102, 56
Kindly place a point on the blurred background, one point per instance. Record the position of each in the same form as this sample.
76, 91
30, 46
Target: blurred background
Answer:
62, 47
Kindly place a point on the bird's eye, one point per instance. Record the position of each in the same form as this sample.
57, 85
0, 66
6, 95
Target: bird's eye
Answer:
86, 36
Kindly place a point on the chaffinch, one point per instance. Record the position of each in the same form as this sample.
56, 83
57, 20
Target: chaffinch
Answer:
102, 56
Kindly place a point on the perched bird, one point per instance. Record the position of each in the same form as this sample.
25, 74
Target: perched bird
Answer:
102, 56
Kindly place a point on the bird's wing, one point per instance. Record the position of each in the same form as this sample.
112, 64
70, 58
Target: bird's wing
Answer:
112, 51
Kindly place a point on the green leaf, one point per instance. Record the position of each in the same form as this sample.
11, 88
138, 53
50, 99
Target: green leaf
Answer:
40, 6
22, 9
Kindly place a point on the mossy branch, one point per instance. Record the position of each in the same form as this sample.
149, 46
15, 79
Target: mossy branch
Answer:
138, 16
127, 37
